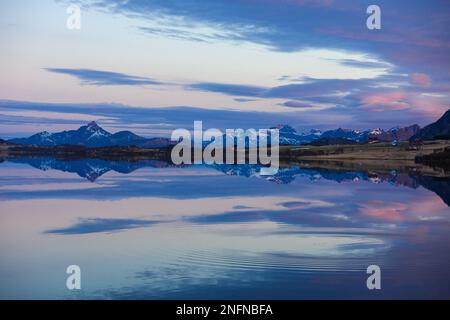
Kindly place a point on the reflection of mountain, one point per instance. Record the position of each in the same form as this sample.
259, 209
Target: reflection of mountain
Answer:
440, 186
92, 169
288, 174
285, 175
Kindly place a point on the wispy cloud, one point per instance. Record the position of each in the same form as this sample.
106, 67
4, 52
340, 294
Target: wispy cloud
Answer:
292, 25
104, 78
383, 93
420, 79
230, 89
296, 104
364, 64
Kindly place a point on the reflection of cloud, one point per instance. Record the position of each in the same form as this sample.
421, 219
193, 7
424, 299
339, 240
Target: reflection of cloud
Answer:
100, 225
425, 208
384, 210
52, 186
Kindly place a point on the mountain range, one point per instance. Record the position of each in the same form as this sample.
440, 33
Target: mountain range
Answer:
92, 135
289, 136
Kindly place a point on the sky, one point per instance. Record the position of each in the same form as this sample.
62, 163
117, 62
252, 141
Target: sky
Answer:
155, 66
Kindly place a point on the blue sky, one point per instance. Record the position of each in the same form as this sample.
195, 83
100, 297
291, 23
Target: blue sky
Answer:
153, 66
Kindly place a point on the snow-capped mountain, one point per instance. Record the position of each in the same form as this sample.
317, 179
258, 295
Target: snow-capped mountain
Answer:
377, 134
340, 133
92, 135
397, 133
289, 136
376, 131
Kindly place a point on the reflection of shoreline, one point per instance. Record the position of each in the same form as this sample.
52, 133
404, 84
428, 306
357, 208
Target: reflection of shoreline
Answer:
405, 173
379, 166
380, 157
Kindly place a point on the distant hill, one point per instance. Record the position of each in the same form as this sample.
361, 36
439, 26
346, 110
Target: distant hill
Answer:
332, 141
346, 134
4, 143
91, 135
400, 134
289, 136
437, 130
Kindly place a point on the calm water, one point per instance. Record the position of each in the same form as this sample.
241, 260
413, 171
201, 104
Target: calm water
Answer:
149, 230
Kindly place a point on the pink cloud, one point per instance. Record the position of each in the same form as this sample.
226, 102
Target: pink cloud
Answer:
420, 79
431, 107
379, 102
383, 98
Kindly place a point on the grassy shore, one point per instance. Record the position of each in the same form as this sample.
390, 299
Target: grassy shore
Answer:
79, 152
367, 152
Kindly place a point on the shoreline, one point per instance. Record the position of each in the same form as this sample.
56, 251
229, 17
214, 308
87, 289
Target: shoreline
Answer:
379, 156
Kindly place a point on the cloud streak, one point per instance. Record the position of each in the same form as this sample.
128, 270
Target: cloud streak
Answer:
104, 78
292, 25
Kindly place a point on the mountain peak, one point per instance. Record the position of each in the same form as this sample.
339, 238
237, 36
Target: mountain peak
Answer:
316, 132
93, 127
93, 124
91, 135
376, 131
284, 128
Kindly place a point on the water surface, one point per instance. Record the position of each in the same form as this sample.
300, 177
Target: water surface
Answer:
149, 230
